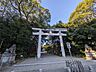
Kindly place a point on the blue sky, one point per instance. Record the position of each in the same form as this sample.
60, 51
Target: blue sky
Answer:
60, 9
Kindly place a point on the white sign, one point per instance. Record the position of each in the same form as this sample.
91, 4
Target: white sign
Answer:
68, 45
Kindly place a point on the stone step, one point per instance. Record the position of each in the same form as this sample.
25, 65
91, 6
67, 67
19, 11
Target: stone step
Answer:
47, 70
38, 66
50, 67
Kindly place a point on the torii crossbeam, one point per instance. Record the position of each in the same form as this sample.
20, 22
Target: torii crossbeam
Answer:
52, 32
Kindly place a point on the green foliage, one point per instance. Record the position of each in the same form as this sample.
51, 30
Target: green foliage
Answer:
18, 33
83, 13
83, 22
17, 17
85, 34
60, 24
29, 10
81, 27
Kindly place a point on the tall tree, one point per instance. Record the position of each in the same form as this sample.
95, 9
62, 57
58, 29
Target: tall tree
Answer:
83, 13
16, 19
29, 10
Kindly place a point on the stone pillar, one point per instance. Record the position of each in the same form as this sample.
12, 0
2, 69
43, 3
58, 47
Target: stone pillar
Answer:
62, 46
39, 45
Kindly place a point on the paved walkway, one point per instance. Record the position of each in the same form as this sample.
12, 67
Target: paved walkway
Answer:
47, 62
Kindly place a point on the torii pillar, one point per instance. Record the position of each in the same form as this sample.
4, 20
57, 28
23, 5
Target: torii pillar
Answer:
39, 45
61, 44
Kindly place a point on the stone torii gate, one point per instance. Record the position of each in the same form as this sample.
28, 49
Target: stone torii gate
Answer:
50, 32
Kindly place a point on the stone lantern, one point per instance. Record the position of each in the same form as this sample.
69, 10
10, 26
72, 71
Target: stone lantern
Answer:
5, 57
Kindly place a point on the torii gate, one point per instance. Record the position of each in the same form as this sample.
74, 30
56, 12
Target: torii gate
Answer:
52, 32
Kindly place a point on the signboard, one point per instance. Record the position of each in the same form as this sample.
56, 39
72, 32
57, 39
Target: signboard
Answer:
68, 45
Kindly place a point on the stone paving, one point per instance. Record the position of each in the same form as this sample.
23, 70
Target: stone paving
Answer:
48, 64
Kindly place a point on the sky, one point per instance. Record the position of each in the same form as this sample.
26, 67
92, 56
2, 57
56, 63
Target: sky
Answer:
60, 9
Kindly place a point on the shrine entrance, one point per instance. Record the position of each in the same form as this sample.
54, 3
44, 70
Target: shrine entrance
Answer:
58, 32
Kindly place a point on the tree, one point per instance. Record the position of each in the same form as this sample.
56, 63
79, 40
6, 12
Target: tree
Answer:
29, 10
85, 34
83, 13
60, 24
17, 17
18, 33
81, 26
